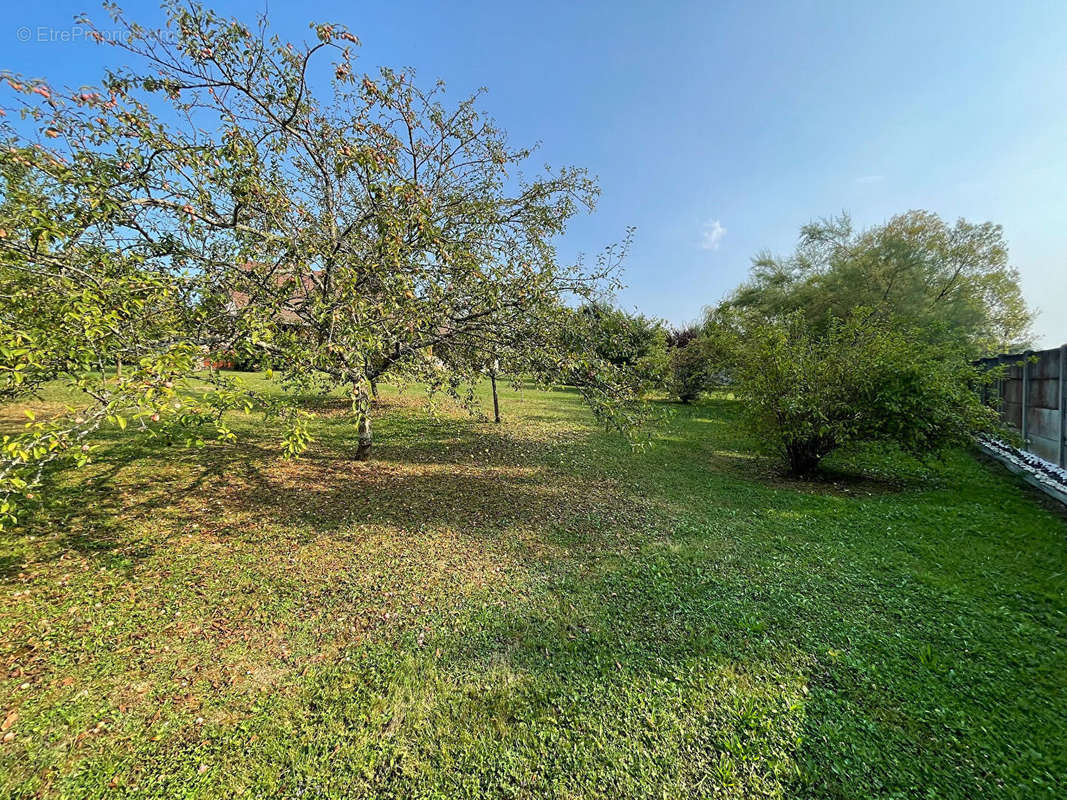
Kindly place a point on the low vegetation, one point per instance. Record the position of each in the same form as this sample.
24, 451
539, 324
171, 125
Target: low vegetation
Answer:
528, 609
864, 379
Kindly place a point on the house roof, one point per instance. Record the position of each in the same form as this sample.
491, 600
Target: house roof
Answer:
289, 313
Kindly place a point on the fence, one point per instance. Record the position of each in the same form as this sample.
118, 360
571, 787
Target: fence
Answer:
1031, 399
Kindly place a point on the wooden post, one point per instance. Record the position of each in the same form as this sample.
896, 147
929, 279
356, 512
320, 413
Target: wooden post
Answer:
1063, 406
1025, 398
492, 380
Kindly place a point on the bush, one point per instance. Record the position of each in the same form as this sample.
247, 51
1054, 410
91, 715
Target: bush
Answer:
634, 344
693, 369
864, 379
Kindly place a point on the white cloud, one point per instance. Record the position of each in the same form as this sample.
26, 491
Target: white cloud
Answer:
870, 179
713, 233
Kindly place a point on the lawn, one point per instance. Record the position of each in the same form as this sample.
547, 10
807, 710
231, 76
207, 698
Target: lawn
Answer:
528, 610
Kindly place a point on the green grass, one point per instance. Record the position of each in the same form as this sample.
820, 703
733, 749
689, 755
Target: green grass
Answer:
530, 610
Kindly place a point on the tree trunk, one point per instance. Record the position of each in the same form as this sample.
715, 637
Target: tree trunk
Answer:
804, 458
362, 408
496, 401
374, 389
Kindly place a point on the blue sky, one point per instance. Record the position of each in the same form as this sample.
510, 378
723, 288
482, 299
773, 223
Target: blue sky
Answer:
718, 129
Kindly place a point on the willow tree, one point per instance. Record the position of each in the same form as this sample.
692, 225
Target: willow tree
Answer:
230, 192
953, 281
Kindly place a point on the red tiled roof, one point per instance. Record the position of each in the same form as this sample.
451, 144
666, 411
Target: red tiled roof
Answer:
289, 314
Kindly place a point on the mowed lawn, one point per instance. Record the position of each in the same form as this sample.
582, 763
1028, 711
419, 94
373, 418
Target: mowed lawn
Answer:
530, 610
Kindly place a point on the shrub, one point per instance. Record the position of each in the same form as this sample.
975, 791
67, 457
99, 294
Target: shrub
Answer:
693, 369
864, 379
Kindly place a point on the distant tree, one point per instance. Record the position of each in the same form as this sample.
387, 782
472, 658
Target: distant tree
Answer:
211, 198
695, 367
630, 341
692, 364
681, 336
865, 378
954, 280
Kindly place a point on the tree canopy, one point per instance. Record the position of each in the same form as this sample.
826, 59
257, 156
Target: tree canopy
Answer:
950, 281
629, 341
230, 192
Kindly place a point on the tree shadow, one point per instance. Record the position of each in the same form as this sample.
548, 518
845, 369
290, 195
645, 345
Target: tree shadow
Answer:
10, 566
857, 470
451, 471
457, 473
629, 649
